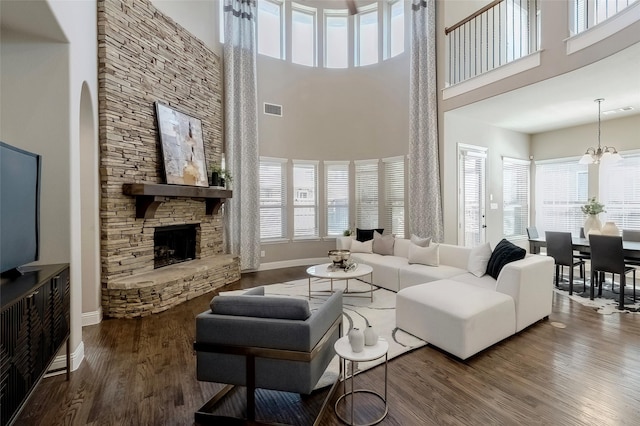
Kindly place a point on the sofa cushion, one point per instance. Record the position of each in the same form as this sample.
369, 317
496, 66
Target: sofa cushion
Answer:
419, 241
424, 255
261, 307
366, 234
401, 247
479, 259
411, 275
486, 281
385, 269
256, 291
362, 247
383, 244
503, 253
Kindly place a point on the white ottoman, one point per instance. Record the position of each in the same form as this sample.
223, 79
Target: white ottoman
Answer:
459, 318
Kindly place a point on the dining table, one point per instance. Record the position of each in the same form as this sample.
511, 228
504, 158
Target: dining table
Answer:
631, 252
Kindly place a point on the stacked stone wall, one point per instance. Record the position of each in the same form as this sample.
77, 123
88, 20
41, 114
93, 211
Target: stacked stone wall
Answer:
145, 57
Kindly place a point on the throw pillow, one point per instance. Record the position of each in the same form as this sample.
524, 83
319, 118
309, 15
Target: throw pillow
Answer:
383, 244
505, 252
366, 234
479, 259
422, 242
362, 247
429, 256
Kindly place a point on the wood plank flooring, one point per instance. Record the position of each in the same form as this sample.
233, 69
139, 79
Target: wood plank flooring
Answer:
142, 372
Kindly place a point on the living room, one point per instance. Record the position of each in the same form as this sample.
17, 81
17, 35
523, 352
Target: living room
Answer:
355, 114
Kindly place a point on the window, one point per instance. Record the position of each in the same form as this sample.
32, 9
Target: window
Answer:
272, 198
395, 35
515, 197
394, 195
561, 189
303, 35
620, 191
336, 42
337, 188
367, 41
584, 14
270, 39
305, 199
367, 194
472, 184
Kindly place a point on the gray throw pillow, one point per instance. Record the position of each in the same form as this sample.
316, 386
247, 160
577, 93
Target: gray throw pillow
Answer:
383, 244
419, 241
261, 307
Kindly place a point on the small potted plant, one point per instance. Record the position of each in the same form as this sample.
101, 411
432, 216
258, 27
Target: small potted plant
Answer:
219, 176
592, 209
216, 175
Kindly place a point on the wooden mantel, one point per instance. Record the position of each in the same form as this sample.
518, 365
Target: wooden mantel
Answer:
149, 196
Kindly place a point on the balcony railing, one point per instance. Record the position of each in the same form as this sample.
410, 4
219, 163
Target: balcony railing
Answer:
499, 33
585, 14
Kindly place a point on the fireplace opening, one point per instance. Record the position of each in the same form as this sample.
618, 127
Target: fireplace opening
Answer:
173, 244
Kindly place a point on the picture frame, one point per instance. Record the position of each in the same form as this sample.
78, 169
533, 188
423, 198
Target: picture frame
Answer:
182, 147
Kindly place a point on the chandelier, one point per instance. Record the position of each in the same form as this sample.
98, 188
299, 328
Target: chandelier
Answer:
606, 154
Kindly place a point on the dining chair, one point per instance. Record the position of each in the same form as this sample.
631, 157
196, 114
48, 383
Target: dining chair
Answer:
607, 255
532, 232
631, 235
559, 246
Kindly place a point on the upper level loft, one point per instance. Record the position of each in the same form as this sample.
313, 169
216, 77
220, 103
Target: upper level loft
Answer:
508, 37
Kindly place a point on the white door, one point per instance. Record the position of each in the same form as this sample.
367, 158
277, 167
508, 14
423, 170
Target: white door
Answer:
471, 195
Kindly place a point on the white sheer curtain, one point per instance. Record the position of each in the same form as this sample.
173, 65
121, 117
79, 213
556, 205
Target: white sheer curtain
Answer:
242, 216
425, 205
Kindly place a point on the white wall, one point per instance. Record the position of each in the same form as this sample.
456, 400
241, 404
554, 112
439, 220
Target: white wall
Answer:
500, 142
43, 57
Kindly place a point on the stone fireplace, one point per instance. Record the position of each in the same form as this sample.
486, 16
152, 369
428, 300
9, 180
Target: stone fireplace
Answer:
142, 61
174, 244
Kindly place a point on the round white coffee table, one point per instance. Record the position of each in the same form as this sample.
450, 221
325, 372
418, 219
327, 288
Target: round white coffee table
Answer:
324, 271
369, 353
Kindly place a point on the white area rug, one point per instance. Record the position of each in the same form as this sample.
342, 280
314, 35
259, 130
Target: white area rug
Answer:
358, 312
602, 305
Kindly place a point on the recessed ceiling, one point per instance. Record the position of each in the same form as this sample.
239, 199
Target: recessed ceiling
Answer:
566, 100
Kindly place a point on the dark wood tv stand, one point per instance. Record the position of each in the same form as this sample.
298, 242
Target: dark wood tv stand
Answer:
34, 324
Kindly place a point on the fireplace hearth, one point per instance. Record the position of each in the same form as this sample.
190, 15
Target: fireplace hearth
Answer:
174, 244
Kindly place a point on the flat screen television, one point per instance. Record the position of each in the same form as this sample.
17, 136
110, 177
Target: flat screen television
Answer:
19, 208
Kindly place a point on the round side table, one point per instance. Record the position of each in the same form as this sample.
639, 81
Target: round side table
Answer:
370, 353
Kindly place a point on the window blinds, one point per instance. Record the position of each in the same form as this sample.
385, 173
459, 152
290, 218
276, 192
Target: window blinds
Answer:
515, 197
305, 199
394, 195
367, 194
272, 199
620, 191
337, 189
561, 189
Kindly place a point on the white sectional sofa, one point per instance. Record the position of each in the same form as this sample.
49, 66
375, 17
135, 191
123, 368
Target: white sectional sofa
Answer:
455, 310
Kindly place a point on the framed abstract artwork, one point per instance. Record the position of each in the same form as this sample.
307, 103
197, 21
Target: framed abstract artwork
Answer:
182, 147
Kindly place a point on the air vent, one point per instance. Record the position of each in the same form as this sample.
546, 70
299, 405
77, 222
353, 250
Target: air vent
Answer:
273, 109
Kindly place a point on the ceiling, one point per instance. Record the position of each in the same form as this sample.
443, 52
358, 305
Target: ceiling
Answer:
566, 100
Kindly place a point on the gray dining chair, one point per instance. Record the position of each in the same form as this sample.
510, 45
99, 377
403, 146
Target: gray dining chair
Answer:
559, 246
532, 232
631, 235
607, 255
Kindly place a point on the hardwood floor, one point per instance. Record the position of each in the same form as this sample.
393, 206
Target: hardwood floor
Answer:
142, 372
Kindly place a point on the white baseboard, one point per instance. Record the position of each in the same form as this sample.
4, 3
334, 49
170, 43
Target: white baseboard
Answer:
92, 318
291, 263
59, 365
